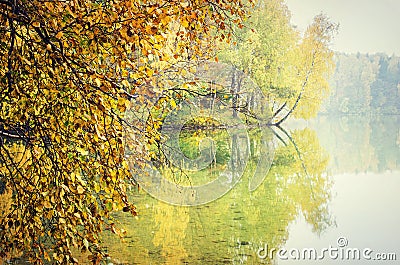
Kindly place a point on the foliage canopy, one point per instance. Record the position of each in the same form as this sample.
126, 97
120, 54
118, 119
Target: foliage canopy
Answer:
69, 70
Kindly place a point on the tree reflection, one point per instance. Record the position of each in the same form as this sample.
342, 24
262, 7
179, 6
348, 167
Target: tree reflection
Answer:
171, 233
232, 228
304, 163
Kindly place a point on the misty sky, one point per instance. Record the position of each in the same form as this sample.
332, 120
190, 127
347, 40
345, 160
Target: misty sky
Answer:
365, 25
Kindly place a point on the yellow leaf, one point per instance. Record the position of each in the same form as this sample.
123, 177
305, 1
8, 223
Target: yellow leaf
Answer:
73, 177
165, 19
36, 24
96, 187
47, 204
98, 82
79, 178
46, 256
185, 23
59, 35
172, 103
82, 151
124, 73
80, 189
125, 83
113, 175
86, 243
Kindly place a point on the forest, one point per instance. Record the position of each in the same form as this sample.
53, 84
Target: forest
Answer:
364, 84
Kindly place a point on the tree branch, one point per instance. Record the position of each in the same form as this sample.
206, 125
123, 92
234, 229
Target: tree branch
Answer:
300, 94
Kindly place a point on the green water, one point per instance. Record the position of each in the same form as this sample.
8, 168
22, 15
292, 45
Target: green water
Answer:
297, 196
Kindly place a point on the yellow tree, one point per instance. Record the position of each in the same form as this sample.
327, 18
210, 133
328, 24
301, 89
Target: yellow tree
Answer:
263, 48
313, 64
69, 70
292, 70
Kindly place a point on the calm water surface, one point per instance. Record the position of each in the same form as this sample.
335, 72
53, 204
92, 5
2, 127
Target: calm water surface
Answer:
334, 178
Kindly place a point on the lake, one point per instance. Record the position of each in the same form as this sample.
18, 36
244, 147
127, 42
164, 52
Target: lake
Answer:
334, 183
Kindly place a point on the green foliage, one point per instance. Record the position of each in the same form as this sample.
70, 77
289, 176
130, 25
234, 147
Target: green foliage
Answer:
290, 69
189, 144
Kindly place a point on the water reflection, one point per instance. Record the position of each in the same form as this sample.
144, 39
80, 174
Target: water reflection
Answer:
232, 228
360, 144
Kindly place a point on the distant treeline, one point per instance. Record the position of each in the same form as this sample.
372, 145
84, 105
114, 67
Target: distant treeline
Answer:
364, 83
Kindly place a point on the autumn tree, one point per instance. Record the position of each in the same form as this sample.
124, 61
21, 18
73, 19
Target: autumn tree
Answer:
313, 67
292, 70
69, 70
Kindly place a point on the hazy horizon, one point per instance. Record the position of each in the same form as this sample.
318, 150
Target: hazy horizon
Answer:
365, 26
